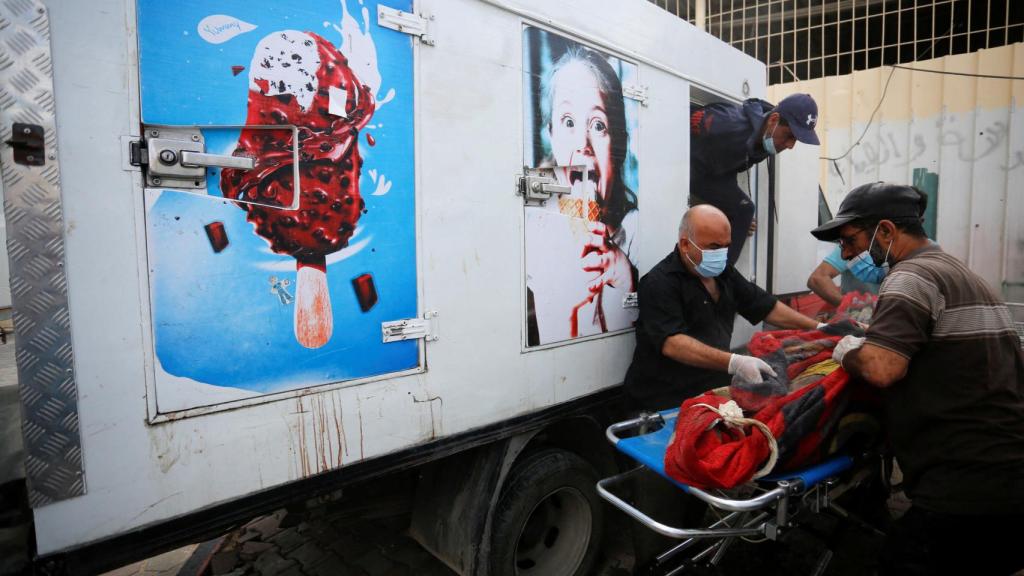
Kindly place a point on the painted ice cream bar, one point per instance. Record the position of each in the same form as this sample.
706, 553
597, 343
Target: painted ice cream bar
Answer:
298, 78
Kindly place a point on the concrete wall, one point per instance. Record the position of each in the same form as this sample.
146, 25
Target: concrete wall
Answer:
960, 136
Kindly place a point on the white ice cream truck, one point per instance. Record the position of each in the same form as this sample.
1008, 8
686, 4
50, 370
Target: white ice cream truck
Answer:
260, 250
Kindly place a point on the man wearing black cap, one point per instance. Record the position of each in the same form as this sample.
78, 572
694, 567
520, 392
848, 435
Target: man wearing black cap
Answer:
943, 349
726, 139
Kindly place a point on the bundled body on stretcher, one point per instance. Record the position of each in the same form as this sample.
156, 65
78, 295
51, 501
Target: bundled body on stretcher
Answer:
791, 443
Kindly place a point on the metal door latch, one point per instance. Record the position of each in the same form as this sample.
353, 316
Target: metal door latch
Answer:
411, 329
175, 157
538, 185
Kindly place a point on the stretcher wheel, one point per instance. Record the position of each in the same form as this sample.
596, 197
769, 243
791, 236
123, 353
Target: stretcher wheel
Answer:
549, 518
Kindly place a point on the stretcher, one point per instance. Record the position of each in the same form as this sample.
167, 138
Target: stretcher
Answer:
767, 507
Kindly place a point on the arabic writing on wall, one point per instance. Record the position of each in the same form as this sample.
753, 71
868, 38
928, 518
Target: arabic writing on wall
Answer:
953, 133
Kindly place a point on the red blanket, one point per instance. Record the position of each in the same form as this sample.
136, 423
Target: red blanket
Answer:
800, 407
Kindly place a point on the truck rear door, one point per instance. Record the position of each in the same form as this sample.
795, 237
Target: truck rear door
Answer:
280, 197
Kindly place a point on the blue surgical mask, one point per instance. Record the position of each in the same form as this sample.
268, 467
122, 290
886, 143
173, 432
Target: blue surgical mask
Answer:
769, 142
865, 270
712, 262
863, 265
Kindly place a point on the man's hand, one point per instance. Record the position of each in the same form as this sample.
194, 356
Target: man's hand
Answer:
610, 263
844, 346
749, 368
753, 227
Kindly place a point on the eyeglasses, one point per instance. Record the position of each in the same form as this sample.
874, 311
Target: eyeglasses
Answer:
845, 241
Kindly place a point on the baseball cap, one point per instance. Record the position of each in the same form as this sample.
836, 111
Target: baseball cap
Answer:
801, 114
880, 200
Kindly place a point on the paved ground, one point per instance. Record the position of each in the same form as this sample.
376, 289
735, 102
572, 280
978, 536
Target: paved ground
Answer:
167, 564
330, 541
320, 546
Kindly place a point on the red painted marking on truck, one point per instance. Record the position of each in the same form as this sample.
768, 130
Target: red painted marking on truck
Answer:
339, 428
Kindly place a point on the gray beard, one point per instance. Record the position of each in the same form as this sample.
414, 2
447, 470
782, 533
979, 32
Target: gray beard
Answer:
877, 254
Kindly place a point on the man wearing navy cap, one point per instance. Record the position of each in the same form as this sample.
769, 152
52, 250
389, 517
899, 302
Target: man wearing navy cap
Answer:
944, 352
726, 139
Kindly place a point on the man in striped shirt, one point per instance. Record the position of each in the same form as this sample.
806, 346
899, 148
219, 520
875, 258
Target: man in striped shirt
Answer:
943, 349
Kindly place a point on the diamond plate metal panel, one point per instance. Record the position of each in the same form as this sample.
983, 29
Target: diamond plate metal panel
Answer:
35, 247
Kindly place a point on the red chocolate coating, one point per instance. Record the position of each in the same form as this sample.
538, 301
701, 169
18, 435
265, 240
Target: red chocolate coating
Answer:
329, 163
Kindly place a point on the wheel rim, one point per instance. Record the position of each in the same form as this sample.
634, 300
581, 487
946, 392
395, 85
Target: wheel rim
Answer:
555, 536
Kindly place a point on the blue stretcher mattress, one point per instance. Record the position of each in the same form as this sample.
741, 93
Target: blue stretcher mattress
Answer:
649, 450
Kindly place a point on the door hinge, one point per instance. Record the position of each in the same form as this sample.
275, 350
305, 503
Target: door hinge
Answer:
406, 22
636, 92
411, 329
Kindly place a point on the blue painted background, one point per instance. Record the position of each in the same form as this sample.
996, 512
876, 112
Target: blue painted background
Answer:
215, 318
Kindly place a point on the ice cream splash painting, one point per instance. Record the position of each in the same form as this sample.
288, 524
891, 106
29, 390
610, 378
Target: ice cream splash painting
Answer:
298, 261
291, 81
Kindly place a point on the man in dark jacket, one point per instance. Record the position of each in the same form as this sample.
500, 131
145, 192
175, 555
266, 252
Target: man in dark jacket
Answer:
727, 139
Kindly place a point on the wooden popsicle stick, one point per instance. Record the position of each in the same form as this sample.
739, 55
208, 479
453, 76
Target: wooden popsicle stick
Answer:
314, 322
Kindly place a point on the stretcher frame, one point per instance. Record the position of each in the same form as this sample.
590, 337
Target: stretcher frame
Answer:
777, 498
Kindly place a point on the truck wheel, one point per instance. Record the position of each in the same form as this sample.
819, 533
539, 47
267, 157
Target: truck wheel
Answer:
549, 518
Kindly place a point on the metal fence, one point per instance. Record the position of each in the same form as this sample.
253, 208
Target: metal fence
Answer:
807, 39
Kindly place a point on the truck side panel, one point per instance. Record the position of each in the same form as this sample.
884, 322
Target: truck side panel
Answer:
470, 251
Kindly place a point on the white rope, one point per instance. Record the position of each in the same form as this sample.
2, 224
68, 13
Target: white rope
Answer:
732, 415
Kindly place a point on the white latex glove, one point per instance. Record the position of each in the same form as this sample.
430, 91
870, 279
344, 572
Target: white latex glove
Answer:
749, 368
822, 325
844, 346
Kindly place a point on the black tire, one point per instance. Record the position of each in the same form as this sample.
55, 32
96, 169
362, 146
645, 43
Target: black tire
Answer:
549, 519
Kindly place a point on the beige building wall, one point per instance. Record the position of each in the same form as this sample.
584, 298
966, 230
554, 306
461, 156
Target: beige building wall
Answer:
961, 135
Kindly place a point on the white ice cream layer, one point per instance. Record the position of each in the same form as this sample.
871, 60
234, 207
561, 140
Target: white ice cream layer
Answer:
288, 61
